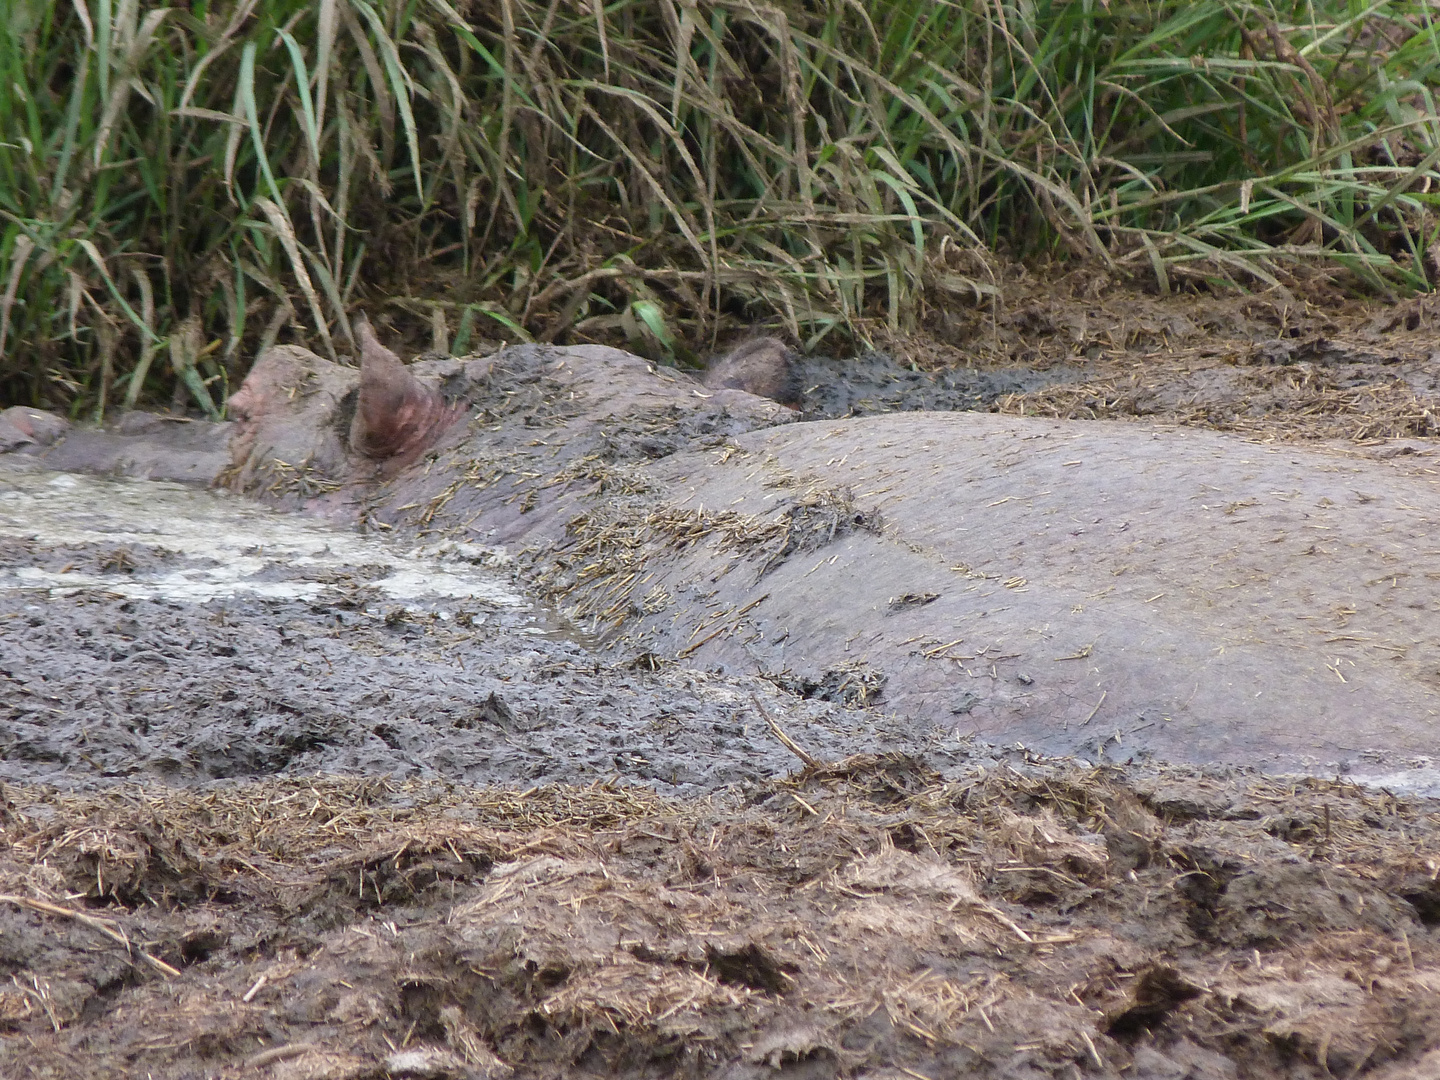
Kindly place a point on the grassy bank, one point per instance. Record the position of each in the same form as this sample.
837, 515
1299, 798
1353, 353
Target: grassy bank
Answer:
181, 186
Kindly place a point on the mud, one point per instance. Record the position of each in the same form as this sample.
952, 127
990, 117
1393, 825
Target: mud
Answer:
155, 634
1313, 364
142, 446
878, 383
1108, 591
501, 783
1105, 590
861, 919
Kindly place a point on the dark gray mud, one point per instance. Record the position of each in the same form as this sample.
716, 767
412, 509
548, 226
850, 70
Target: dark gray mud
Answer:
299, 649
143, 446
98, 689
878, 383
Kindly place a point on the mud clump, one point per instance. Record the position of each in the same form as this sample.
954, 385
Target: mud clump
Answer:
865, 917
876, 382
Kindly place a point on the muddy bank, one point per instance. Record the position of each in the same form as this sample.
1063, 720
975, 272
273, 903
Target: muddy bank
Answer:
490, 787
1315, 363
863, 919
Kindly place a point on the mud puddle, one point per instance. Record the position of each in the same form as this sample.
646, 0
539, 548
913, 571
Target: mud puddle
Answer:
154, 540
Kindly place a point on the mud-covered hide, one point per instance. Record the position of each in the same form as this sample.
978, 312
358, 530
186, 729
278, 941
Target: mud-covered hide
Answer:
1108, 589
397, 415
562, 415
291, 415
27, 429
1103, 589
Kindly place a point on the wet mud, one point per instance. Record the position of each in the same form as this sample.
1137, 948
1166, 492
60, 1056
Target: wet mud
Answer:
99, 690
879, 383
1106, 590
863, 918
634, 727
152, 634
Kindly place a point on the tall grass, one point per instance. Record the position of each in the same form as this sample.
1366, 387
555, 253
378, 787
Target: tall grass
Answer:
181, 186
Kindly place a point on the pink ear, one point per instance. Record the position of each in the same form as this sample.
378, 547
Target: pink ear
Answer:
397, 414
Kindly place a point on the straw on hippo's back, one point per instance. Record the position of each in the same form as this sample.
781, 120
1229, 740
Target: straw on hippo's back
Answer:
763, 366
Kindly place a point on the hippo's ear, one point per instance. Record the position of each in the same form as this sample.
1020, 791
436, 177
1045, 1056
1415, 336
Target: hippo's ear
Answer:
396, 414
365, 338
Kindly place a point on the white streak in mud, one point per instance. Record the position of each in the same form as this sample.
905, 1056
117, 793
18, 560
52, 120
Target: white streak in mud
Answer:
213, 545
1417, 782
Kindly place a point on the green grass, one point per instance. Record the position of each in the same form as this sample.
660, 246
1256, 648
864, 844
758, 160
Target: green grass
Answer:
180, 187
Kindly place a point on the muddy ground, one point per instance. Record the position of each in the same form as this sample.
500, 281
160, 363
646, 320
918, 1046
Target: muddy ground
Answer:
861, 919
1105, 590
144, 674
310, 825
